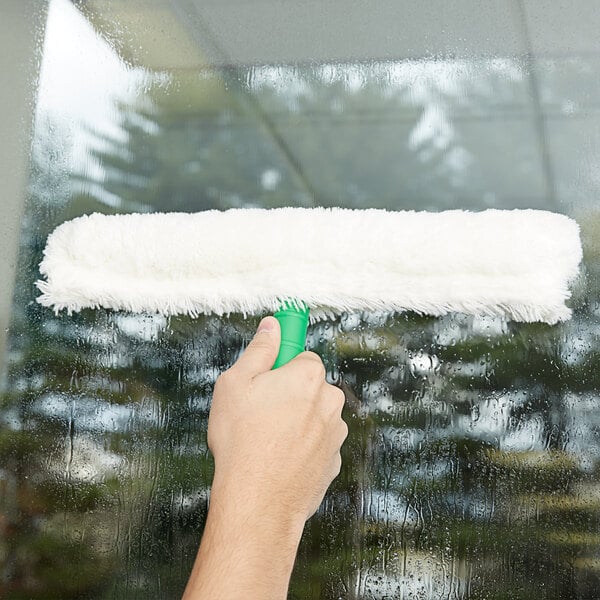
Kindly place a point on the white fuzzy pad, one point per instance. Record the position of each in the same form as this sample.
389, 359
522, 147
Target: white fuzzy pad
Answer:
517, 264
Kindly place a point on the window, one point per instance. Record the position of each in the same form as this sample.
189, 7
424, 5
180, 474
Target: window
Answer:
472, 469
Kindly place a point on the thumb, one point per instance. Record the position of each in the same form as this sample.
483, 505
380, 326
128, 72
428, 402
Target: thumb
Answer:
262, 351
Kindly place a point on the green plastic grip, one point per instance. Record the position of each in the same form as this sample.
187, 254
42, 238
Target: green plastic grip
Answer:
293, 320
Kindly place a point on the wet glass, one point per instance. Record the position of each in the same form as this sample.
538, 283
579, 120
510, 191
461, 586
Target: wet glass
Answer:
472, 468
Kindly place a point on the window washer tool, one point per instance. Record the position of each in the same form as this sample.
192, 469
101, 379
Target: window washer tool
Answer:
516, 264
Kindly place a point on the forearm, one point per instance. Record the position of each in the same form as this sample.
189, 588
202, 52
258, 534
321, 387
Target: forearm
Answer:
247, 551
275, 435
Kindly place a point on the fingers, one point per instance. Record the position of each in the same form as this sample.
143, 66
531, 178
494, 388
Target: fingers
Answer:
332, 403
309, 368
310, 364
329, 399
262, 351
335, 398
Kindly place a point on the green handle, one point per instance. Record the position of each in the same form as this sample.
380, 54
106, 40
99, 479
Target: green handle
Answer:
293, 320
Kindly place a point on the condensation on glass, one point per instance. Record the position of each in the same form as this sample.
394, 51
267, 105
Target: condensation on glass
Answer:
472, 468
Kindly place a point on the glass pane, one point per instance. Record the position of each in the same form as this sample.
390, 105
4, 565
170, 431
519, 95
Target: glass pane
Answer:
472, 468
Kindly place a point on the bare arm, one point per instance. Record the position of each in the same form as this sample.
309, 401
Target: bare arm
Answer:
275, 437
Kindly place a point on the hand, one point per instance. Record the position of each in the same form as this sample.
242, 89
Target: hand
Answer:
276, 438
276, 435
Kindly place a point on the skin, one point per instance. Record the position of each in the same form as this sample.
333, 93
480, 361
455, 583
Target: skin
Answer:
275, 437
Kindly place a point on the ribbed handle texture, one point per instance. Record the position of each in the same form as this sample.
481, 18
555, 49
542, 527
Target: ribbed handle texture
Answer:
293, 320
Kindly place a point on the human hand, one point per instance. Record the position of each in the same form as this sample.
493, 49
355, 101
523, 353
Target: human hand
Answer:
275, 435
276, 438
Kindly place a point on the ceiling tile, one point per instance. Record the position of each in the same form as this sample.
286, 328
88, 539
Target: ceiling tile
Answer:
563, 28
271, 31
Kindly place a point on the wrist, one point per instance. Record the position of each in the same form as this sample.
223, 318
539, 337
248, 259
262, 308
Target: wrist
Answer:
259, 515
248, 549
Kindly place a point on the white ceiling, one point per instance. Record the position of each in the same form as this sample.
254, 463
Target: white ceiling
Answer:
285, 31
270, 31
531, 129
167, 34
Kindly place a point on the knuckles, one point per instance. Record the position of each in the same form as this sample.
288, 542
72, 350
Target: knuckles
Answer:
308, 355
313, 367
338, 397
332, 401
344, 431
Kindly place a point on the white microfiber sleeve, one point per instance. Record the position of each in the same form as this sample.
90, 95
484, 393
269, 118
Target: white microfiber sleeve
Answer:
516, 264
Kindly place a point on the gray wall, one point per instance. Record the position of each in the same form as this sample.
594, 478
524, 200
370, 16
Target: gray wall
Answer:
22, 24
